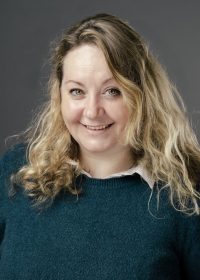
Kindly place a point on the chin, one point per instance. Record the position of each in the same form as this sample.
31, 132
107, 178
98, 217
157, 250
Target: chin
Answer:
96, 148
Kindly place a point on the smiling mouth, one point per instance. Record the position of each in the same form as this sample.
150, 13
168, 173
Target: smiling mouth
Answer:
98, 127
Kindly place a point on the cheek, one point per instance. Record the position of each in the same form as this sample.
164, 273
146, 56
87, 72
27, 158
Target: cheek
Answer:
120, 114
125, 116
70, 113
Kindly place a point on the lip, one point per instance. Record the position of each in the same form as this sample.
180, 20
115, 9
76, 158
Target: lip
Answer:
97, 128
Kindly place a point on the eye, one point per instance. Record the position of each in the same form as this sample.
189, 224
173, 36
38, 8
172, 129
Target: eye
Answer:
76, 92
113, 92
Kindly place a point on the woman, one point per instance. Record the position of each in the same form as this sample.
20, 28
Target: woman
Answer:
105, 185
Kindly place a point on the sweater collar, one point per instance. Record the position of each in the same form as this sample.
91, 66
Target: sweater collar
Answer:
139, 169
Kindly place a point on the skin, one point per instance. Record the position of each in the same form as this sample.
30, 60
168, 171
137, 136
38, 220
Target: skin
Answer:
94, 112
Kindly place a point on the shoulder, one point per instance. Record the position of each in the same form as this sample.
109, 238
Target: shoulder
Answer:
12, 160
184, 224
187, 226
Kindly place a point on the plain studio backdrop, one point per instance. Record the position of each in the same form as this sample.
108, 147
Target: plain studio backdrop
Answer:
171, 28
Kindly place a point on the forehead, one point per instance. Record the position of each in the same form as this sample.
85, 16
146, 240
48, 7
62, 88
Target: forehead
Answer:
85, 59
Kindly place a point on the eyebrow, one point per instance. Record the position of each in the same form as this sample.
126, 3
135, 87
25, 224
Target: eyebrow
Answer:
79, 83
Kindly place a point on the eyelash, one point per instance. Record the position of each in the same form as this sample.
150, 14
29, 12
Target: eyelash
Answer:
73, 91
117, 92
78, 92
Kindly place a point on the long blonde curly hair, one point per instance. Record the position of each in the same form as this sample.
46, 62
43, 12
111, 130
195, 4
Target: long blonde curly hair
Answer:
158, 129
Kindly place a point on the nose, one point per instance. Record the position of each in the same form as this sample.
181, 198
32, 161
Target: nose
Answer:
93, 107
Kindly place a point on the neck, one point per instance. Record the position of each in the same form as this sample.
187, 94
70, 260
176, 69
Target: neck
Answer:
101, 166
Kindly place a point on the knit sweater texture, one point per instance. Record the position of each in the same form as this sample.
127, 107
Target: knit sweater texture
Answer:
112, 231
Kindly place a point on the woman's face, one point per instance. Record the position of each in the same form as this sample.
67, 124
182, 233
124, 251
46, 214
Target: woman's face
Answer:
91, 102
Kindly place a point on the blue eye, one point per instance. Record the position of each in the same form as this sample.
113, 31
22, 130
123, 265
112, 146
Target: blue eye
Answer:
76, 92
113, 92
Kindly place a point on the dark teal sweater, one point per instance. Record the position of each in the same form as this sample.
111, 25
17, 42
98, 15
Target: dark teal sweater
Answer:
108, 233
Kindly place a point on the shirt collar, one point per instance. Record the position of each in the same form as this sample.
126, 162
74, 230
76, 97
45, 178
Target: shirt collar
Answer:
136, 169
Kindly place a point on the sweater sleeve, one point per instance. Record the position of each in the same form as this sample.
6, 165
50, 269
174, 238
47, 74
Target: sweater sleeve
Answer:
10, 163
2, 217
189, 234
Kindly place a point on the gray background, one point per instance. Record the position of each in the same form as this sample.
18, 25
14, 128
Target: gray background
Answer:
27, 27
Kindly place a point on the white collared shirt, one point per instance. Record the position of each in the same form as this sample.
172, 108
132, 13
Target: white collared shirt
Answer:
137, 169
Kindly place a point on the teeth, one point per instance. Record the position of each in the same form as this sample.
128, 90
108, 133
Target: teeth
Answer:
97, 127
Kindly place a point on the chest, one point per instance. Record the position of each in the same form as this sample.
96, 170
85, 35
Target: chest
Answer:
103, 240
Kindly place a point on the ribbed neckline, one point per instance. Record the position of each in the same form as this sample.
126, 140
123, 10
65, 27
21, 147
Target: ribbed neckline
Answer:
95, 184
